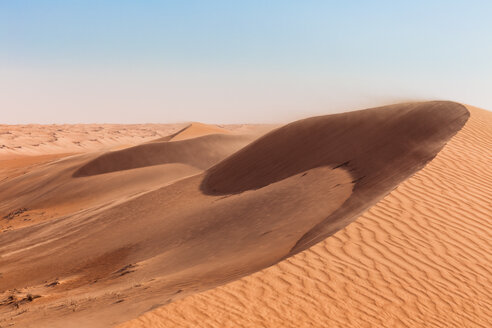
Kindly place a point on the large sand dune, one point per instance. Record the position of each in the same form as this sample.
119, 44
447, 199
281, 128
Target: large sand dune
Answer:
94, 239
419, 258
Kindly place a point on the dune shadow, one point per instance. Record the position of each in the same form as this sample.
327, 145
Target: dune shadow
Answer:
381, 147
201, 152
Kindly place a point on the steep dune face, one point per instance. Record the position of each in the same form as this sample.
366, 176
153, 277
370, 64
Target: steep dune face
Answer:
115, 260
381, 147
419, 258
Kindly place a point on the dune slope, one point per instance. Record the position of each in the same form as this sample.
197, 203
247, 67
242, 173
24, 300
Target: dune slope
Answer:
108, 263
381, 147
419, 258
47, 187
197, 130
201, 152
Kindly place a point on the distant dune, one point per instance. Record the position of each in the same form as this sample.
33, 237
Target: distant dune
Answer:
38, 140
35, 139
97, 238
197, 130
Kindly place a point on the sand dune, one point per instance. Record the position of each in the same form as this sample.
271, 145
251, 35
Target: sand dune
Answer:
127, 231
200, 152
358, 142
419, 258
197, 130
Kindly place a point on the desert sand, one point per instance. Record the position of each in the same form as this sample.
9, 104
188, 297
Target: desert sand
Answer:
35, 139
227, 226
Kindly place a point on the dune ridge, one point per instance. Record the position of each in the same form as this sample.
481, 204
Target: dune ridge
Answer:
197, 129
200, 152
419, 258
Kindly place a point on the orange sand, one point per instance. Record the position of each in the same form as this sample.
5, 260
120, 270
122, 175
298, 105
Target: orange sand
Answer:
93, 238
419, 258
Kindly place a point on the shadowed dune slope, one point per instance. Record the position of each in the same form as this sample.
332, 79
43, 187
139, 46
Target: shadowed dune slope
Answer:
50, 191
200, 152
380, 146
109, 263
419, 258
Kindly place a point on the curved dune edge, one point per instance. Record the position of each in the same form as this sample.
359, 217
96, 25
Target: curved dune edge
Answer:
380, 146
193, 130
200, 152
116, 261
420, 257
197, 129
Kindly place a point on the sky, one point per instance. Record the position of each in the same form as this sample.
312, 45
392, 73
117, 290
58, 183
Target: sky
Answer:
229, 61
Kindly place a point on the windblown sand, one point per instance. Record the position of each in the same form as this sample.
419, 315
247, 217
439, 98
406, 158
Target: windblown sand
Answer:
92, 238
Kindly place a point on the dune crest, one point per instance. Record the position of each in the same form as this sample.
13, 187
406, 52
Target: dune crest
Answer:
197, 129
200, 152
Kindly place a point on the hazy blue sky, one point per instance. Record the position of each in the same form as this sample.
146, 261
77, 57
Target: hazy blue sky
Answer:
236, 61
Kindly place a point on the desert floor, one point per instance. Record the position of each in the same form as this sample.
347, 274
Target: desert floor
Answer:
83, 242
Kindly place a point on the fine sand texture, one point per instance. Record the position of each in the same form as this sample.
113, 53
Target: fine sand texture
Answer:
100, 237
422, 257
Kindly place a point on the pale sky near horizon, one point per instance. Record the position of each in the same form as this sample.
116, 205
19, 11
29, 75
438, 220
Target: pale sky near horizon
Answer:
236, 61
